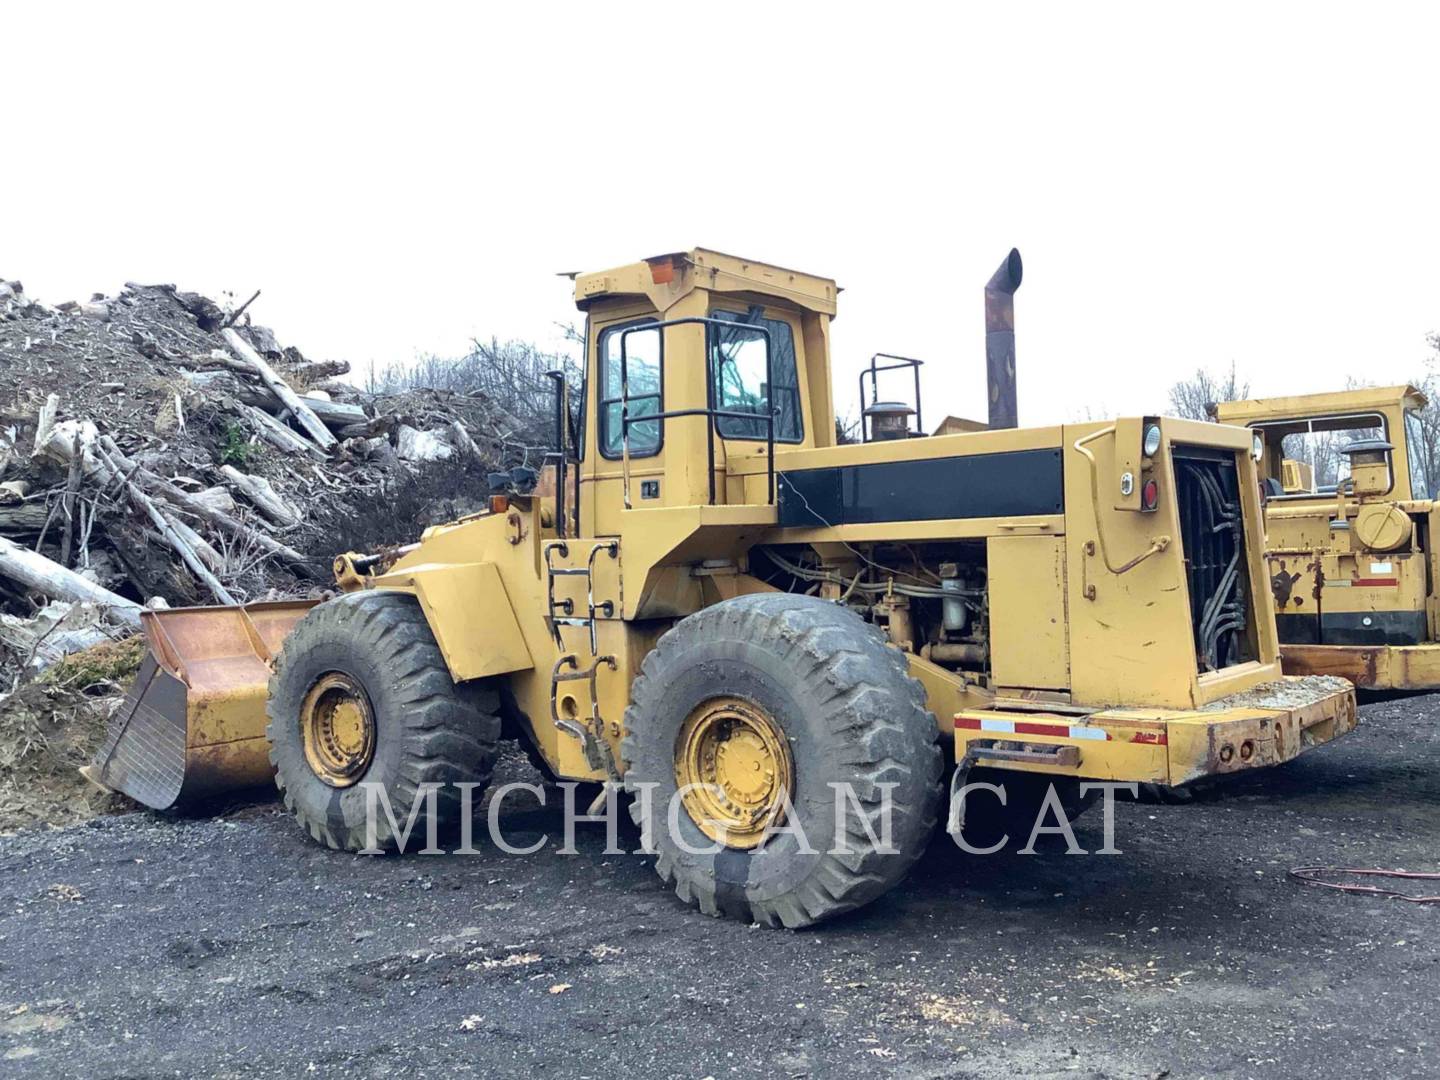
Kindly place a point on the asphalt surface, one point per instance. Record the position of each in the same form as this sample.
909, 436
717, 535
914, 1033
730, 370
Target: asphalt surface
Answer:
145, 946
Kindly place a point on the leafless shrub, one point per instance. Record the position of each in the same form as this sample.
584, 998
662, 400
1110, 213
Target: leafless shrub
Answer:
1195, 398
510, 376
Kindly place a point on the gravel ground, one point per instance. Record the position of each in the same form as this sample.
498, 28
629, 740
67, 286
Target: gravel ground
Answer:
144, 946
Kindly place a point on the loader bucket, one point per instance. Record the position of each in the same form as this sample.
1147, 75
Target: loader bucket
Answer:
193, 725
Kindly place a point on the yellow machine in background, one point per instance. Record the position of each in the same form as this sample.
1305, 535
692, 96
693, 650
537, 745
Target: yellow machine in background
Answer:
721, 605
1350, 529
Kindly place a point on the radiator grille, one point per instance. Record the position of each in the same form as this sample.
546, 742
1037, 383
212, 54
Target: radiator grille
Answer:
1212, 535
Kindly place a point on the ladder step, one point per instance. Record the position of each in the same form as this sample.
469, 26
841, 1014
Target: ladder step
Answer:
565, 571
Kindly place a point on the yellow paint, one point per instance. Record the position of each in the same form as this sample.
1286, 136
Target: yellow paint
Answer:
1028, 635
1317, 568
1088, 609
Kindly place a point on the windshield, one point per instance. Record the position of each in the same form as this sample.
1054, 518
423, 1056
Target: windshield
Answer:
1307, 457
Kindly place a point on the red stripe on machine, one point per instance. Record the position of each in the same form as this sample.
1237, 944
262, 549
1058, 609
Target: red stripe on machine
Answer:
1373, 581
1027, 727
1151, 738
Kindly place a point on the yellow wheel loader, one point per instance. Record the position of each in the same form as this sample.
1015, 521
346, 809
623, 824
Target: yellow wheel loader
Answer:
709, 602
1351, 529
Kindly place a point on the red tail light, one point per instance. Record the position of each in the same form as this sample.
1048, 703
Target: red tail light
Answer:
1149, 495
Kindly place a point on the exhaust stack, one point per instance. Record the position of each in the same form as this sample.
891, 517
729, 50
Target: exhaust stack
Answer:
1000, 340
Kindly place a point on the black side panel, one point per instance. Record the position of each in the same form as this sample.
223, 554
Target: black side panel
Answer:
1385, 628
1298, 629
1010, 484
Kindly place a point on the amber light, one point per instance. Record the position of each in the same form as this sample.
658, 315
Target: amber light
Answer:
499, 504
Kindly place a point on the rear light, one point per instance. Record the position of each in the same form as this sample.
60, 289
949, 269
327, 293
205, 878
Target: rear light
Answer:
499, 504
1149, 495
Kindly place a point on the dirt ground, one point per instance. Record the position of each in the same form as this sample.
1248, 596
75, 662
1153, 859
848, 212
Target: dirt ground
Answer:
146, 946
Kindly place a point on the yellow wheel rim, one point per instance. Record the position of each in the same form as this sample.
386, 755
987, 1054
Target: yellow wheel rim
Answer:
733, 766
338, 729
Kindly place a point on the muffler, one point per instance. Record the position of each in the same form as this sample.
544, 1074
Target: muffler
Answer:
1000, 340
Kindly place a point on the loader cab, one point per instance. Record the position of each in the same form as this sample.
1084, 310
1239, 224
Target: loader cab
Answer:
701, 369
1308, 443
1349, 519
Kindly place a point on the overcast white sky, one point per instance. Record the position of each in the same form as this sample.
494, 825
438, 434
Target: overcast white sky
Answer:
1187, 186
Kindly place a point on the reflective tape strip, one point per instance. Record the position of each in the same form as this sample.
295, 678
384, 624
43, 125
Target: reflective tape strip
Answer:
1029, 727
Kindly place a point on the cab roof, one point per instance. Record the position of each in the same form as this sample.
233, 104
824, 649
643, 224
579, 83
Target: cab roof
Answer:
667, 278
1298, 406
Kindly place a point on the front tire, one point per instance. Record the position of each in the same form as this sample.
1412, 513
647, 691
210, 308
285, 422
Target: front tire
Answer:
361, 695
803, 695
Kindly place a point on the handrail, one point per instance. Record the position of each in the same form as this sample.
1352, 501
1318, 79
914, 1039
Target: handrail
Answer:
874, 372
1157, 544
561, 453
710, 411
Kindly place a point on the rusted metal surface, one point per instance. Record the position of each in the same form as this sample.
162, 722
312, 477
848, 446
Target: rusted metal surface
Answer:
193, 724
1000, 340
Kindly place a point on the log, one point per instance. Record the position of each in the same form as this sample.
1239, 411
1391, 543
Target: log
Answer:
206, 511
264, 497
24, 519
59, 448
281, 389
313, 371
277, 434
45, 421
166, 528
216, 498
49, 578
208, 555
333, 414
67, 501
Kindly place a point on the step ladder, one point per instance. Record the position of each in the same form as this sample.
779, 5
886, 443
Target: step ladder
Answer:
562, 612
590, 730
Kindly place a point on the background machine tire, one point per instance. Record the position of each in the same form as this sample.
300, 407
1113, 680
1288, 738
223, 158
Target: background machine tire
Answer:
805, 689
361, 693
987, 823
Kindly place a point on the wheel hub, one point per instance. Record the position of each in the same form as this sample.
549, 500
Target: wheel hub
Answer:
338, 729
734, 770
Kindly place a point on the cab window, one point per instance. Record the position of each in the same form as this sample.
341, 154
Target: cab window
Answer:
1307, 457
1420, 478
737, 358
645, 390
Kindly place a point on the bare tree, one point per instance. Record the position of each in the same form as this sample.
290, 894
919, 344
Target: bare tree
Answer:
509, 376
1196, 398
1427, 425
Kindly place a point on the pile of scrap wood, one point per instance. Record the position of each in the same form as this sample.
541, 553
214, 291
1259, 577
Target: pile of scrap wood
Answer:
158, 447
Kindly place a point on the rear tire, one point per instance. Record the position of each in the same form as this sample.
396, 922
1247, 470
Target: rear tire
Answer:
846, 711
426, 728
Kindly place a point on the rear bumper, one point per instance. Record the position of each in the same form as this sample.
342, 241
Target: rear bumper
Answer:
1372, 667
1254, 730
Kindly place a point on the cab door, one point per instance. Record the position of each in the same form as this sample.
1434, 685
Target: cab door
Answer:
602, 494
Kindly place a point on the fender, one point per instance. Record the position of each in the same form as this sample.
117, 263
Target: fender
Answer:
470, 614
